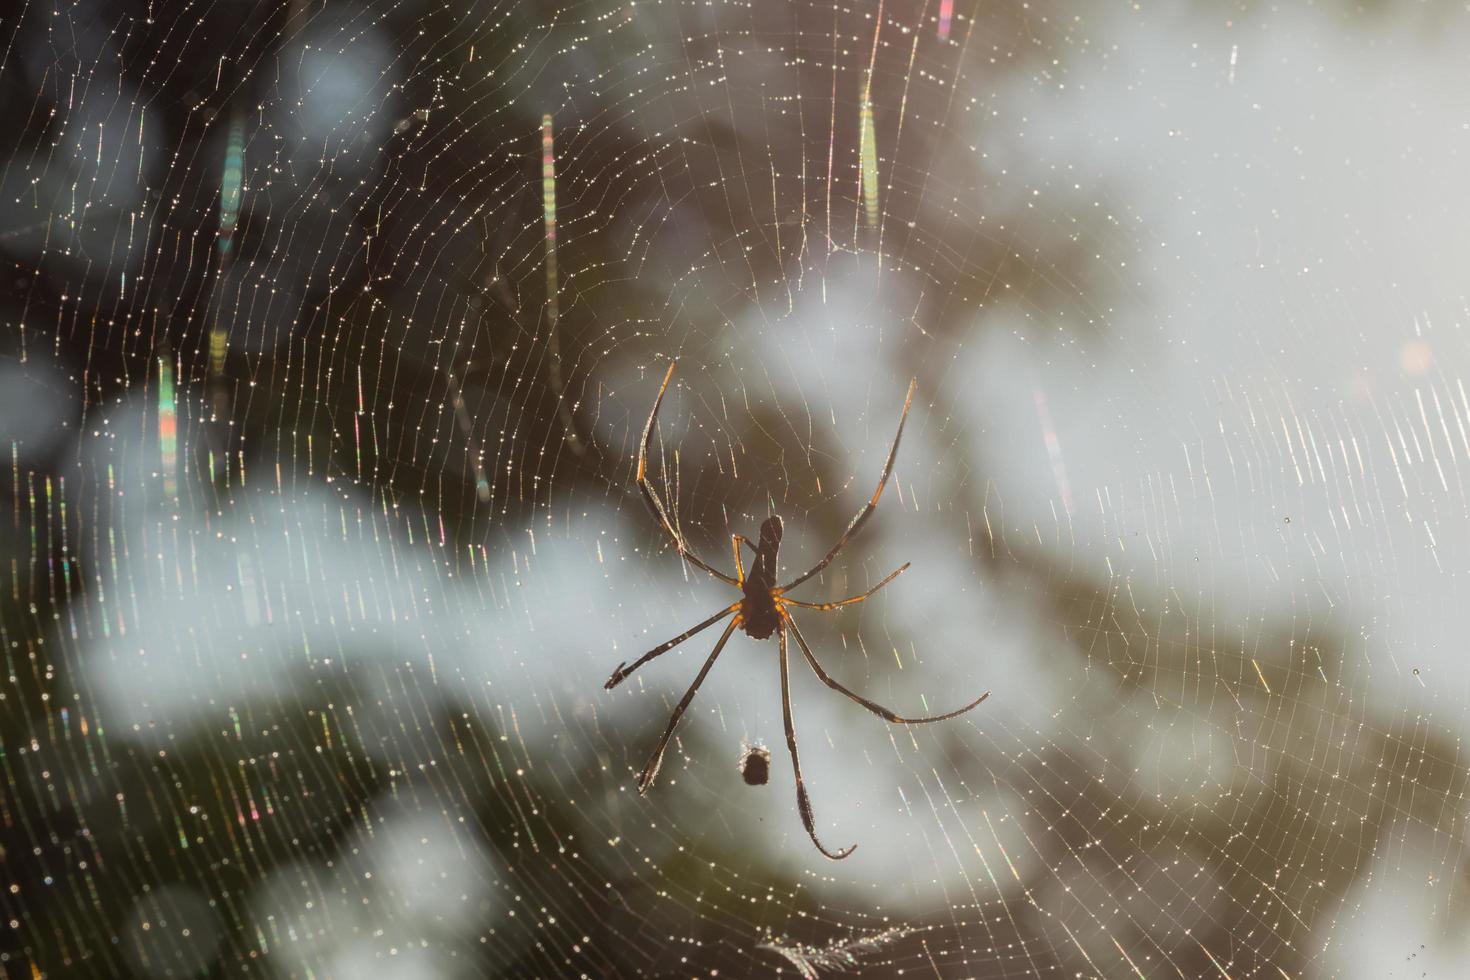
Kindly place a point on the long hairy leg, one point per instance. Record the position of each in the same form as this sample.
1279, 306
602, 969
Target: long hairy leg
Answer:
853, 599
736, 540
803, 802
871, 505
650, 770
651, 498
621, 673
872, 706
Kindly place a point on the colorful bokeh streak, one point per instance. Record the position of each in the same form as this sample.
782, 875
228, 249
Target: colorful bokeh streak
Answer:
868, 155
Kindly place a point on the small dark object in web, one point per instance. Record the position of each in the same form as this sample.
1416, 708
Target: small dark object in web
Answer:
755, 765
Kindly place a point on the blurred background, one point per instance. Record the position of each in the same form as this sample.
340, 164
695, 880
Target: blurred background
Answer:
329, 330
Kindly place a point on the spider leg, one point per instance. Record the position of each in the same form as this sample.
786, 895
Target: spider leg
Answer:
803, 802
651, 498
735, 541
871, 505
621, 674
872, 706
850, 601
650, 770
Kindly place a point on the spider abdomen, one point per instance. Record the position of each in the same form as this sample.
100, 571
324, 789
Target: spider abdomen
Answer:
758, 614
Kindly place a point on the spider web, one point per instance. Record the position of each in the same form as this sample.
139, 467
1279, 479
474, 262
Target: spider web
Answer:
330, 330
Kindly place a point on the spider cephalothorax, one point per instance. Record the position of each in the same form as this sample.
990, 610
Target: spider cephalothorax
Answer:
761, 611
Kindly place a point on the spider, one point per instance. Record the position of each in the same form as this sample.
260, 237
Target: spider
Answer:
762, 610
755, 765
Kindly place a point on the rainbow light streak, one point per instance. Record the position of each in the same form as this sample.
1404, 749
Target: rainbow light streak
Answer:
868, 154
31, 502
462, 416
230, 187
168, 428
946, 12
548, 200
65, 550
1053, 449
219, 347
50, 550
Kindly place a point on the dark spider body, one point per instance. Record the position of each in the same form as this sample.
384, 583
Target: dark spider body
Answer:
759, 616
764, 609
755, 766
